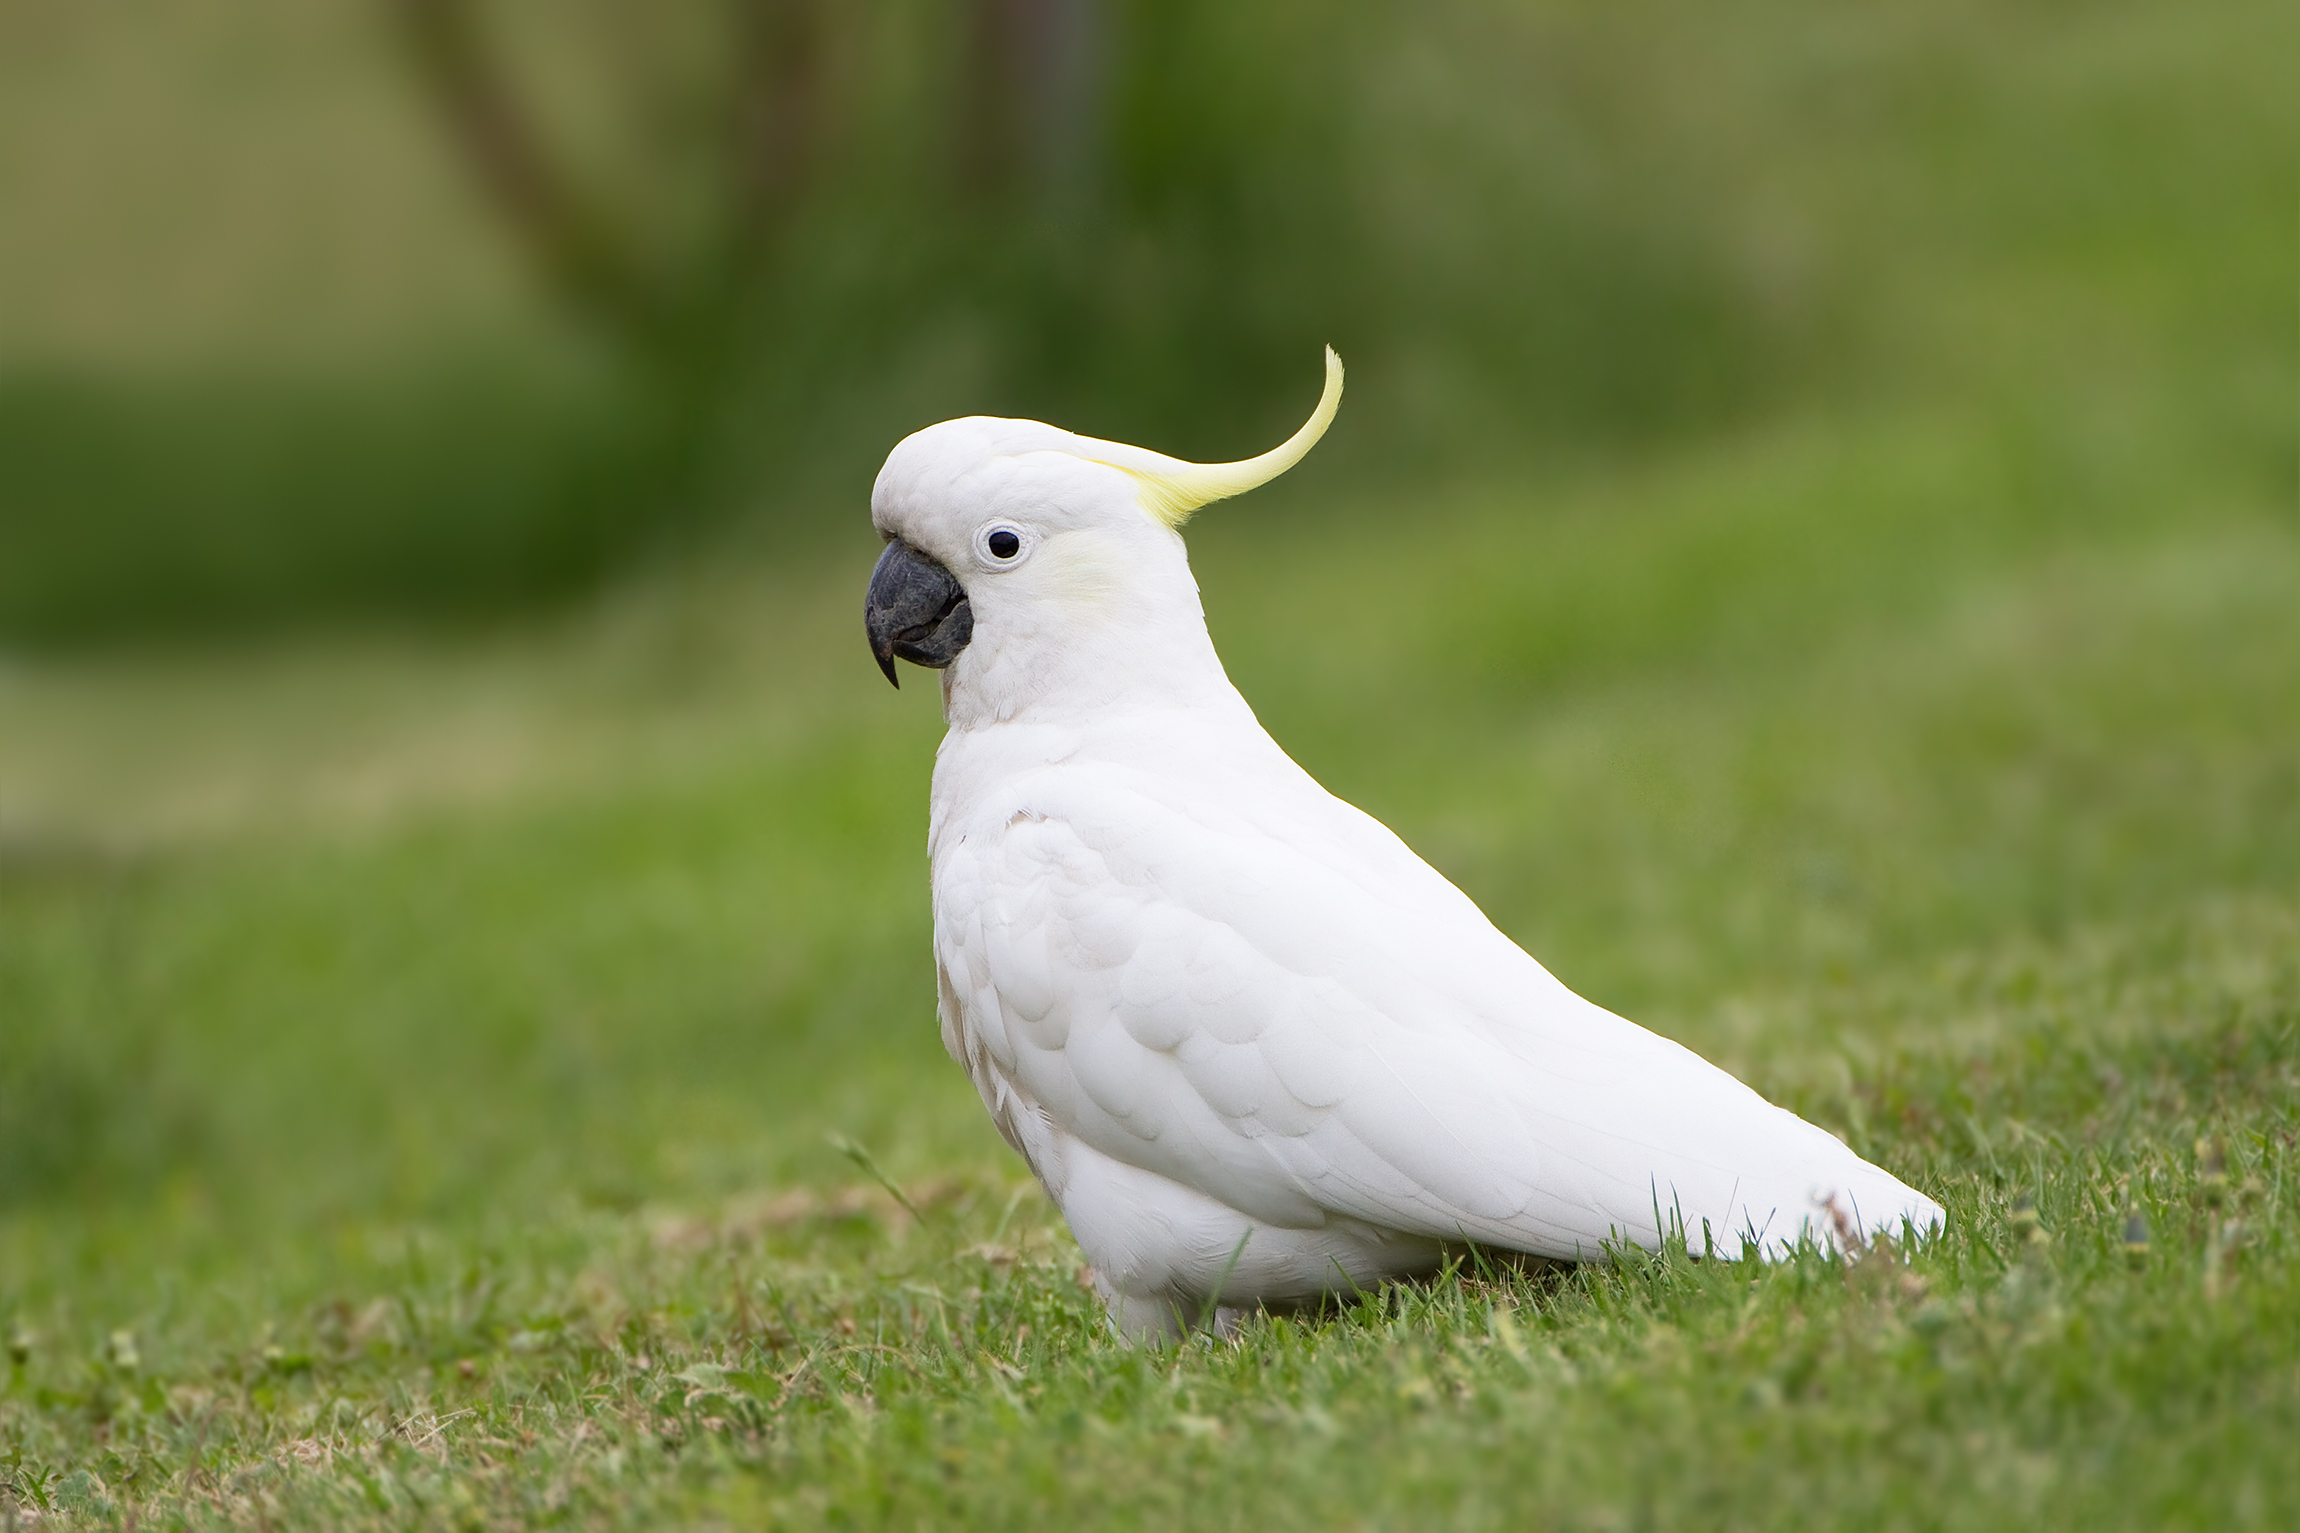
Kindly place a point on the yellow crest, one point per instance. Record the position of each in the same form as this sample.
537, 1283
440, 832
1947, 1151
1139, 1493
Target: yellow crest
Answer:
1172, 489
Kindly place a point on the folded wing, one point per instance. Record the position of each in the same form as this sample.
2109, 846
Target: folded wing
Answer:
1277, 1003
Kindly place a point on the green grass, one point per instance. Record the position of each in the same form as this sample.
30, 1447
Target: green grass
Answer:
423, 1053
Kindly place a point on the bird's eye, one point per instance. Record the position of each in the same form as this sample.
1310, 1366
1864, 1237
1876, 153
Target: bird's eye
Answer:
1002, 545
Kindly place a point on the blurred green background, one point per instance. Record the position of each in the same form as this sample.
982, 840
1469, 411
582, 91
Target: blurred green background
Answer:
1814, 513
436, 307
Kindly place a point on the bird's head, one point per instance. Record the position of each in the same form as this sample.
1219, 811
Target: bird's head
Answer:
1021, 556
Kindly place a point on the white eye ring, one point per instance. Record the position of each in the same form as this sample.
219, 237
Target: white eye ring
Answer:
1002, 545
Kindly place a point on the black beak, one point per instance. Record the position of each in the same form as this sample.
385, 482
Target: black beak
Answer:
916, 609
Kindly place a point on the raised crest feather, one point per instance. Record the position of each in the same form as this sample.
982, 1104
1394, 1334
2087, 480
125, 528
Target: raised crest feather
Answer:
1172, 489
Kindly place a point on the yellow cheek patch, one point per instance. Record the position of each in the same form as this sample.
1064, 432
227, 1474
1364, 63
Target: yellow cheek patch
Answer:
1078, 570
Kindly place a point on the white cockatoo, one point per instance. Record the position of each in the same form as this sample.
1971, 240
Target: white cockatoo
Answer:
1255, 1049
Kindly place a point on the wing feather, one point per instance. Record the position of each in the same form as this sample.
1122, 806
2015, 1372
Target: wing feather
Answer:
1285, 1008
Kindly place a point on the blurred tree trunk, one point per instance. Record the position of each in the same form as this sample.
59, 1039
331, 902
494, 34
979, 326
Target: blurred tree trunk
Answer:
592, 253
1033, 98
1029, 139
574, 245
781, 112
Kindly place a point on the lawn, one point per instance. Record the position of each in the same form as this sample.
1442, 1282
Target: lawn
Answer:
486, 1075
431, 1061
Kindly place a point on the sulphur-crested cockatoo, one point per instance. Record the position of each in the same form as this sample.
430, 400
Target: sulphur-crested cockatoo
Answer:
1256, 1050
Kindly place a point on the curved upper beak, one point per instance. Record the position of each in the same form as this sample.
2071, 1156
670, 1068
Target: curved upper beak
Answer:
916, 609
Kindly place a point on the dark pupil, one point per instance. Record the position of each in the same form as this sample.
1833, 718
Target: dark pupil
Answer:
1004, 544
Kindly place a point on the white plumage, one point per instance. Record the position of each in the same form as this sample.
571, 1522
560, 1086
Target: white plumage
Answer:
1208, 1001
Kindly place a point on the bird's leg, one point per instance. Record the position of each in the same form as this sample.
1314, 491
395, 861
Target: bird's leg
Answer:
1148, 1319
